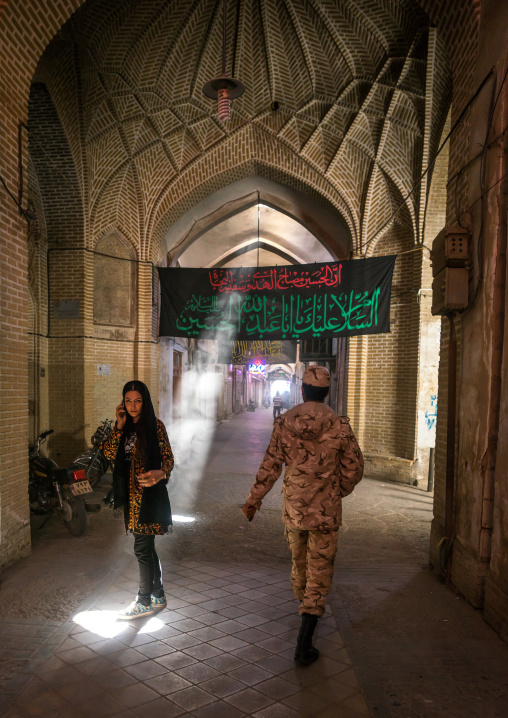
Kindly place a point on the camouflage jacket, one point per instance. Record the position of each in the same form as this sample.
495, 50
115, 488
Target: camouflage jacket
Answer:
323, 464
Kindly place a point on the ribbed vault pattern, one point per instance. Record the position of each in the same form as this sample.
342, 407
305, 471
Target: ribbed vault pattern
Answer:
349, 78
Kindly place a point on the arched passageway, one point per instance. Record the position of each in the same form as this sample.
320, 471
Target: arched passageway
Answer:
335, 152
253, 222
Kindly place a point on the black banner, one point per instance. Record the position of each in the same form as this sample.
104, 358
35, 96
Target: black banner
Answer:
270, 352
332, 299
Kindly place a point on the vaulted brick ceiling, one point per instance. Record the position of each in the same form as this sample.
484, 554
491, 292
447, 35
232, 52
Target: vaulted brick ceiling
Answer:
348, 76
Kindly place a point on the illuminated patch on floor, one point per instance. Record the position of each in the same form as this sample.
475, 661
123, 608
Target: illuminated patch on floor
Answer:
183, 519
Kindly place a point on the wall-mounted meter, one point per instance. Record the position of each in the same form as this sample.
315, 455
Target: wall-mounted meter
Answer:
451, 262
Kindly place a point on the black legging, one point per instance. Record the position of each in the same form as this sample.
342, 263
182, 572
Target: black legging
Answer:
150, 573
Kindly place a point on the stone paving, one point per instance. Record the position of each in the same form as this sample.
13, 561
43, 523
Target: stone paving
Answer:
394, 641
418, 649
223, 647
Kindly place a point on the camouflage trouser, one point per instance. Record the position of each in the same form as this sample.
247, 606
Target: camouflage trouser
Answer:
312, 572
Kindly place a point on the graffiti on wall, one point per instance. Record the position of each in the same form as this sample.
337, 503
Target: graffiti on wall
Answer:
430, 416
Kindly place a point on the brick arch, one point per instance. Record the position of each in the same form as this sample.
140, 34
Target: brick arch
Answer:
27, 20
113, 230
58, 181
252, 169
434, 215
247, 247
310, 127
118, 195
392, 199
458, 24
237, 199
117, 208
22, 21
213, 173
463, 14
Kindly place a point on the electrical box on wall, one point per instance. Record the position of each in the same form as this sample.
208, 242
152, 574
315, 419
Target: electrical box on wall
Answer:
451, 262
450, 290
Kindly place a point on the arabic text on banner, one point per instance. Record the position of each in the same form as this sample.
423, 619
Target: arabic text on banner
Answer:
331, 299
270, 352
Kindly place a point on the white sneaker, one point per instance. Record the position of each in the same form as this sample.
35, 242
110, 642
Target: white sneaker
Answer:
135, 610
159, 602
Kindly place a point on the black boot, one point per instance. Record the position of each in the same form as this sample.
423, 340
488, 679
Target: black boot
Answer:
305, 652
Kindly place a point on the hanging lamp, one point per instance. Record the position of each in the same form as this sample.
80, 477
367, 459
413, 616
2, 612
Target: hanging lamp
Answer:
224, 88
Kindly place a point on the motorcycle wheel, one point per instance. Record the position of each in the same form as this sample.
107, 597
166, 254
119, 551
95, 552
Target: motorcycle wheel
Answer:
95, 467
96, 473
74, 515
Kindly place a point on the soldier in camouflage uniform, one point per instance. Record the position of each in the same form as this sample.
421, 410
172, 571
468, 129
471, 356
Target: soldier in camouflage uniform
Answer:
323, 464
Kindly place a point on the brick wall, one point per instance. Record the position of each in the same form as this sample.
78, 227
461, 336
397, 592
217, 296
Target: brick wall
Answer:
383, 369
37, 285
23, 37
477, 43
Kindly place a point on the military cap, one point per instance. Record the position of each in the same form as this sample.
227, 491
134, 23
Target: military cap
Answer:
316, 376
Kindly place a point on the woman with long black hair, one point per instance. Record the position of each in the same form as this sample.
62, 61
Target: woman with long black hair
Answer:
143, 458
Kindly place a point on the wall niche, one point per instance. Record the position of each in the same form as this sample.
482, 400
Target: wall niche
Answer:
114, 282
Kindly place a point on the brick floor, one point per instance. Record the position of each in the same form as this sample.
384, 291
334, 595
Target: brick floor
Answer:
393, 642
183, 665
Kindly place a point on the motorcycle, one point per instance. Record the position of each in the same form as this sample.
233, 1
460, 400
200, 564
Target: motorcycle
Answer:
251, 406
93, 460
55, 490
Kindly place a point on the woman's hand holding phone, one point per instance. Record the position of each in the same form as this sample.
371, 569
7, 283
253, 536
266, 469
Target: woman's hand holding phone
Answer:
121, 416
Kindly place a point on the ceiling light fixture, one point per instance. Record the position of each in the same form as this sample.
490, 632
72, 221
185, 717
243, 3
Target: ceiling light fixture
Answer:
224, 88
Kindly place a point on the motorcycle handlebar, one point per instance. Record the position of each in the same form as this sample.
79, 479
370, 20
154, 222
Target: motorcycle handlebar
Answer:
46, 433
